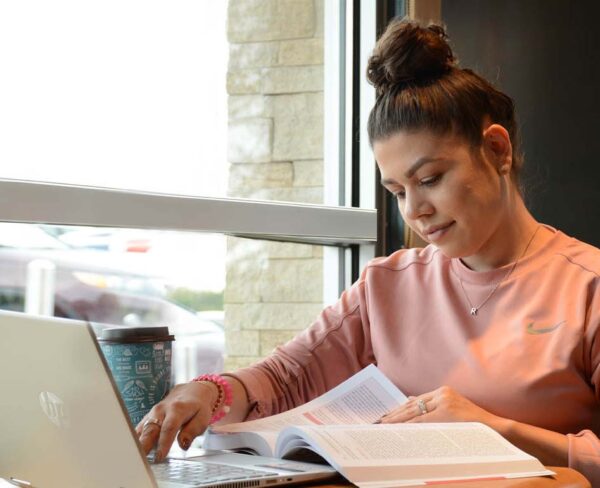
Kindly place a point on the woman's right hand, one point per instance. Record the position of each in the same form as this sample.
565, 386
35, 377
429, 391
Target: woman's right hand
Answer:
186, 409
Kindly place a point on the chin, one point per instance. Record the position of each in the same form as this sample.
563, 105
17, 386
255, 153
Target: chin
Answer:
453, 251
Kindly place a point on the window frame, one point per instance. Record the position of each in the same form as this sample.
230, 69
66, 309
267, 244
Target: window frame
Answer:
59, 204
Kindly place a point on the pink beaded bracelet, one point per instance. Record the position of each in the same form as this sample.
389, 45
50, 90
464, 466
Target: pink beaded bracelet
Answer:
225, 397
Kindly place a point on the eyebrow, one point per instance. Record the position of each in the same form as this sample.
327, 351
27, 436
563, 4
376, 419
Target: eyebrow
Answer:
414, 168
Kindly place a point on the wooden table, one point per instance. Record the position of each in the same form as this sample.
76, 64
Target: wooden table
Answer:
565, 478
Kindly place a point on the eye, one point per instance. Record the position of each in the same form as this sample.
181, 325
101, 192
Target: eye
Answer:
430, 181
399, 194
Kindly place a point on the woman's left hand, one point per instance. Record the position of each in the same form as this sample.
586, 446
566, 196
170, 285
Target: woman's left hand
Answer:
441, 405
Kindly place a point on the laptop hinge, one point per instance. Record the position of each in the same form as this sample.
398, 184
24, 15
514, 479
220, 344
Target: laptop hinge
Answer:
22, 483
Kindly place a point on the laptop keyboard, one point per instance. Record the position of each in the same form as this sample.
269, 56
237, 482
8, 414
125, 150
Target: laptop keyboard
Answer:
203, 473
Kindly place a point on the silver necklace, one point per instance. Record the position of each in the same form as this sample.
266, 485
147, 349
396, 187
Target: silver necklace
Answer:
475, 309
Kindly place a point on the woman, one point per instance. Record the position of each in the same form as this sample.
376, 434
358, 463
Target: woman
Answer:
495, 321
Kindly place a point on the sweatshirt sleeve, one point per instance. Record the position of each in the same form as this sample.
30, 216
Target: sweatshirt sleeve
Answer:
333, 348
584, 447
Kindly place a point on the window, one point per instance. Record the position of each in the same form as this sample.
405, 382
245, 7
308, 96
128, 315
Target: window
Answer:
118, 94
143, 162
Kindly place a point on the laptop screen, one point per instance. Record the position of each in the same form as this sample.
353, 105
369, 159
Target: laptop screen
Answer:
62, 421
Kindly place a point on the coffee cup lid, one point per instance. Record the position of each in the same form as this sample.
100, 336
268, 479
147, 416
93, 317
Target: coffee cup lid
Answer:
136, 334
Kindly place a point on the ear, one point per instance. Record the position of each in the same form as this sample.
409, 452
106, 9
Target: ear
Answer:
497, 145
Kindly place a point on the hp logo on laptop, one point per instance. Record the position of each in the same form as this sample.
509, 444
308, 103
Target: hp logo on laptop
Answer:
55, 409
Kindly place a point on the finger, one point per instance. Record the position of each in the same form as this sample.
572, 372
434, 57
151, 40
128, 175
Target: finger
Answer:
148, 432
192, 429
178, 415
432, 414
167, 433
402, 408
140, 425
155, 412
419, 419
398, 411
409, 410
400, 416
139, 428
149, 437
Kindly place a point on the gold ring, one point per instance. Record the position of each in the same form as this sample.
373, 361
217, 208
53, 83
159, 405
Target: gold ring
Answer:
152, 421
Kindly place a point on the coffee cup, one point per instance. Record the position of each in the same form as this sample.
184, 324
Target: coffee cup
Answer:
140, 361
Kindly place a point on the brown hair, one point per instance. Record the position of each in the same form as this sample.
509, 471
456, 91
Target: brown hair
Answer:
420, 86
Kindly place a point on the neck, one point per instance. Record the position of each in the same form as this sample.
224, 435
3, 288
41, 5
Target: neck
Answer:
510, 242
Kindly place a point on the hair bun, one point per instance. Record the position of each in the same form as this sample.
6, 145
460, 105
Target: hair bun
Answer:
408, 53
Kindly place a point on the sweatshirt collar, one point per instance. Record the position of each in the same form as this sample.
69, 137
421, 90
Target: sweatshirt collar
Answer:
527, 263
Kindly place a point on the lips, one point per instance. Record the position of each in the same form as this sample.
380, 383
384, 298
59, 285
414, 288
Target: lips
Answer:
437, 232
436, 228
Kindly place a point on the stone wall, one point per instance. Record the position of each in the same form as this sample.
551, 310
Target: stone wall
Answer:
275, 152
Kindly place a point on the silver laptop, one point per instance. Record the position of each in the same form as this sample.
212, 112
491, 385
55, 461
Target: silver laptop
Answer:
63, 424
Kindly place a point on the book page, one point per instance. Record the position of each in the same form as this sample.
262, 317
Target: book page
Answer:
361, 399
414, 452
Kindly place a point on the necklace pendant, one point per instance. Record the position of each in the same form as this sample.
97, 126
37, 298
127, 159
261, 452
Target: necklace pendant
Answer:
474, 311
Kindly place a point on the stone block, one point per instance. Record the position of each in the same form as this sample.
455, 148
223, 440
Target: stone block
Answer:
298, 195
251, 20
244, 270
301, 52
272, 249
269, 340
242, 342
229, 318
249, 140
298, 127
308, 173
288, 250
319, 17
292, 280
297, 18
297, 104
244, 81
244, 248
253, 55
246, 256
267, 20
248, 106
240, 291
253, 176
292, 79
271, 316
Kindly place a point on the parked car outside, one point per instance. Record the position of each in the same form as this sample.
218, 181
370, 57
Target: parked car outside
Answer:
107, 289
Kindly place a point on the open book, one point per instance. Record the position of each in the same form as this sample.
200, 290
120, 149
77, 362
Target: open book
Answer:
338, 428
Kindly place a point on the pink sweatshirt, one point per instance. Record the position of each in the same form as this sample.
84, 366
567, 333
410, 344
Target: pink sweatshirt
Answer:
531, 354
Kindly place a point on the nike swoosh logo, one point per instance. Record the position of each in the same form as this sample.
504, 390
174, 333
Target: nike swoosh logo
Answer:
542, 330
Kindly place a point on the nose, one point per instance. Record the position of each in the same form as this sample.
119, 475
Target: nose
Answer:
415, 206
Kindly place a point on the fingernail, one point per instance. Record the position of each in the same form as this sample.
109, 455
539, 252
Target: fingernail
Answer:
378, 421
185, 444
158, 457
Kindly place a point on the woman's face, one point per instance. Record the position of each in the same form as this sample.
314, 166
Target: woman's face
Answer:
452, 195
